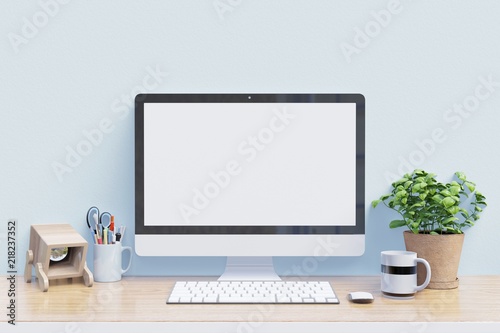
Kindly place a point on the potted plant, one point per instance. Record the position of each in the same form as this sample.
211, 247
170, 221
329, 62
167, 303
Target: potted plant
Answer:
435, 214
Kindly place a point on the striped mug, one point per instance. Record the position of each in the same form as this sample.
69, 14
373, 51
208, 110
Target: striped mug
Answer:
399, 274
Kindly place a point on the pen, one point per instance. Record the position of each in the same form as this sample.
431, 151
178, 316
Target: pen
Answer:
97, 226
122, 231
105, 236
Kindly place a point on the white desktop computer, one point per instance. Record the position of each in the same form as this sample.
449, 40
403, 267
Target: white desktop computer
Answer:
249, 176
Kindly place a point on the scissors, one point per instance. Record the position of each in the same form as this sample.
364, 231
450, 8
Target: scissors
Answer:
98, 221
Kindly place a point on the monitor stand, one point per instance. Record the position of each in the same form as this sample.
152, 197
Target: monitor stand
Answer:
249, 269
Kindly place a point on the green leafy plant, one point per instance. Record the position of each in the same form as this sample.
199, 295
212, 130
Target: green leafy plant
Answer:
428, 206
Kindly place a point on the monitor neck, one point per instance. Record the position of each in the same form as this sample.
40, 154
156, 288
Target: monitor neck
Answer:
249, 269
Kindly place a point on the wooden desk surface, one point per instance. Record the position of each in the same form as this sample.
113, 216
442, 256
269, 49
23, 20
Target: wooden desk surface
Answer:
143, 299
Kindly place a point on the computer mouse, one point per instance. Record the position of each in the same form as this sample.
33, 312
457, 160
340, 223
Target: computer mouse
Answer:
361, 297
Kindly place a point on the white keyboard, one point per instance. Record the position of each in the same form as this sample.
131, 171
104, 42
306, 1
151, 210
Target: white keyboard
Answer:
209, 292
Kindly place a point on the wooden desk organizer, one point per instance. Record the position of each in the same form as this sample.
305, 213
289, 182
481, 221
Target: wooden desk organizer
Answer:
44, 238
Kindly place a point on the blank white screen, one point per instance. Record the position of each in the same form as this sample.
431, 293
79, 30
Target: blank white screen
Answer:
249, 164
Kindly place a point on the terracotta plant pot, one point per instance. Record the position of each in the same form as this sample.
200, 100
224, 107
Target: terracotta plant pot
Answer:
443, 254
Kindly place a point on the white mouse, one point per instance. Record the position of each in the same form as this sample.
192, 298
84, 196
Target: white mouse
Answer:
360, 297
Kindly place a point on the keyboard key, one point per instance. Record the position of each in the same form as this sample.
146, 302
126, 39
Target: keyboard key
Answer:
284, 300
210, 300
173, 299
236, 299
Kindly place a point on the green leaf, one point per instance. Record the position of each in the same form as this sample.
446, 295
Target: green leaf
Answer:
433, 233
446, 193
401, 181
420, 180
448, 202
454, 190
397, 224
460, 175
418, 204
470, 186
375, 203
437, 198
385, 196
430, 179
401, 194
449, 220
415, 230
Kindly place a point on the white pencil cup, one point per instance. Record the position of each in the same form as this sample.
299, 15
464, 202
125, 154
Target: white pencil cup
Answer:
108, 262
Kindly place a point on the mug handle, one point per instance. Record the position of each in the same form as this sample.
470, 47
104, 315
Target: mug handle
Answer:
127, 248
427, 276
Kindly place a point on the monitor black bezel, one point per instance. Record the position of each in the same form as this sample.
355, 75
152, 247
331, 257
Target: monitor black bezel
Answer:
141, 99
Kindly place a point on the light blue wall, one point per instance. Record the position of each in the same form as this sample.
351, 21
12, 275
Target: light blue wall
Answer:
80, 69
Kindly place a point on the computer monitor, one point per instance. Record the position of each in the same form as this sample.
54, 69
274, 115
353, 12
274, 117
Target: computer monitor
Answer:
249, 176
